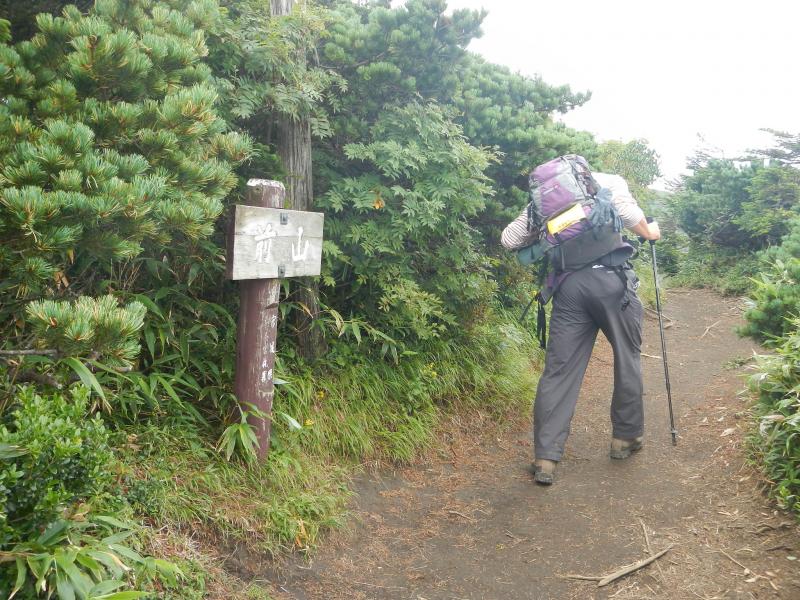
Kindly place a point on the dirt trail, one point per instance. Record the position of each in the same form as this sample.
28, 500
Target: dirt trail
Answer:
472, 525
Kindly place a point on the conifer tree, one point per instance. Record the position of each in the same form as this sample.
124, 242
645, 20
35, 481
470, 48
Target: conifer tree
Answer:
112, 155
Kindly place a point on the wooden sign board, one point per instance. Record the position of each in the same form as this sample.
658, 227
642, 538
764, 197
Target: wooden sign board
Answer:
273, 243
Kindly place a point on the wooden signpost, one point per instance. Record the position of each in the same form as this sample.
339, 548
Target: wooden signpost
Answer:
266, 243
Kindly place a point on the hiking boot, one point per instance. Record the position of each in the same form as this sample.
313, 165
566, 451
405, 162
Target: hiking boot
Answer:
543, 471
624, 448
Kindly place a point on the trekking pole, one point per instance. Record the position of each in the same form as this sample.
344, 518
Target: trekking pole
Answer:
663, 343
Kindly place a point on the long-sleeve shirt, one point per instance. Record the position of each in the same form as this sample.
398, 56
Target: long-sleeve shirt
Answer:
516, 234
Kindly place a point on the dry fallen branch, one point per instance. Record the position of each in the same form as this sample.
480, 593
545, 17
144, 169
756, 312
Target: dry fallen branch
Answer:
630, 569
652, 356
581, 577
746, 570
380, 587
462, 515
709, 328
606, 579
669, 323
649, 548
646, 537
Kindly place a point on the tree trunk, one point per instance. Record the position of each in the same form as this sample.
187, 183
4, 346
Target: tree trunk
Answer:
294, 150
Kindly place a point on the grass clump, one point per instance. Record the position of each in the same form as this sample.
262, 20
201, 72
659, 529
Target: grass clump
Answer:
357, 408
361, 408
180, 481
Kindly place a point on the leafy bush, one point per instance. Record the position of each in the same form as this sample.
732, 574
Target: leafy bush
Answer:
55, 456
730, 211
403, 245
364, 408
776, 443
186, 365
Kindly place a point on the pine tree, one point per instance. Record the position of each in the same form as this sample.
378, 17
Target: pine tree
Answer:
112, 155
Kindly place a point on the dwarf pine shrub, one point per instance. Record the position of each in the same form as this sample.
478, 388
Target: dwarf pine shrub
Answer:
775, 298
111, 151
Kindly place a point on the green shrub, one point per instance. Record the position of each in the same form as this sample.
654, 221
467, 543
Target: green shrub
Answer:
56, 456
774, 301
365, 408
726, 270
111, 153
775, 297
403, 247
776, 442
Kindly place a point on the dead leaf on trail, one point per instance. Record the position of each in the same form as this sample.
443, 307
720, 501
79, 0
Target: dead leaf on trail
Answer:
728, 431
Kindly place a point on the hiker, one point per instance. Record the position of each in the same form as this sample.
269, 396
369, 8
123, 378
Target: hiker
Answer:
590, 292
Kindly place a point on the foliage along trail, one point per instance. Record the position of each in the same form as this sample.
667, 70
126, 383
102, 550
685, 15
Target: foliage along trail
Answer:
470, 523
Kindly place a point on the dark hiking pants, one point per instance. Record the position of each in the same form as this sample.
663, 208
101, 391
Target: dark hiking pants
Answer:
587, 301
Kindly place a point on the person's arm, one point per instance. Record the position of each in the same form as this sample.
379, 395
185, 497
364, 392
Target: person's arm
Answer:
648, 231
516, 234
632, 216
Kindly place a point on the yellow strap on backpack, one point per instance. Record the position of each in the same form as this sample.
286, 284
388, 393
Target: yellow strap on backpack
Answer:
569, 217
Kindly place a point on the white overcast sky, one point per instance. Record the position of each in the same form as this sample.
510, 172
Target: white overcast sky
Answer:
663, 70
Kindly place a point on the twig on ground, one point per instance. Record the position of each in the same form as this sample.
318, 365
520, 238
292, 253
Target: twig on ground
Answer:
651, 356
705, 333
663, 316
631, 568
382, 587
746, 570
581, 577
462, 515
768, 527
649, 548
646, 537
605, 580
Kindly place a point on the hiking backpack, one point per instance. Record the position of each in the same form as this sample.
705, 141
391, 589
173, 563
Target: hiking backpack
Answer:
575, 224
576, 220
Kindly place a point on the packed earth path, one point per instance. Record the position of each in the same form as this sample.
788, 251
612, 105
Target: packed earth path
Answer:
469, 522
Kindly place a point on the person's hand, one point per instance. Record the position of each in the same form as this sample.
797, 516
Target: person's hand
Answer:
653, 231
647, 229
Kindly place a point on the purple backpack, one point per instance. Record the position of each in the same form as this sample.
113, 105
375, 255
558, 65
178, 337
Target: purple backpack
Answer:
576, 220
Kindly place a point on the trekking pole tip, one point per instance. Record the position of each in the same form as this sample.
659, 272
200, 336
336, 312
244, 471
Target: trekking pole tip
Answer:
674, 438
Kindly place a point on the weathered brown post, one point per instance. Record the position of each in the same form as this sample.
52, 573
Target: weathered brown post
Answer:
257, 330
266, 243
